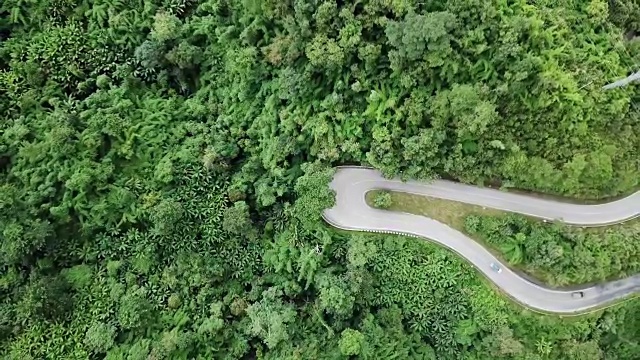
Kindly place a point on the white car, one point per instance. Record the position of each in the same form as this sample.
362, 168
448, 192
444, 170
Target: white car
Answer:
577, 295
496, 268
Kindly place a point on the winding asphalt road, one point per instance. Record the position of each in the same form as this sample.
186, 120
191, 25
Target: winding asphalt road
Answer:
351, 212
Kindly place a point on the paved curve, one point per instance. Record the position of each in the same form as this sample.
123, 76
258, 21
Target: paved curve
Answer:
351, 212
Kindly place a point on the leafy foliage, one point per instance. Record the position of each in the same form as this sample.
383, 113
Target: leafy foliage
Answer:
559, 254
164, 166
382, 200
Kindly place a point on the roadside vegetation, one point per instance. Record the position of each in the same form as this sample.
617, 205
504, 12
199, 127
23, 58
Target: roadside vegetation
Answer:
553, 253
563, 255
452, 213
381, 199
164, 165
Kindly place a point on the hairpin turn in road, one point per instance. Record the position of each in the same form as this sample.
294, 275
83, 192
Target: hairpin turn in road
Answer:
351, 212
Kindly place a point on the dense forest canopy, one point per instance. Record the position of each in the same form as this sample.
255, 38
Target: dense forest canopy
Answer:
163, 167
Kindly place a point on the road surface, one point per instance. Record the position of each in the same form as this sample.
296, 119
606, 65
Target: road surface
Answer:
351, 212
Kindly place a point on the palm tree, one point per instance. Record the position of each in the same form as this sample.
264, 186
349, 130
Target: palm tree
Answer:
513, 252
543, 346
